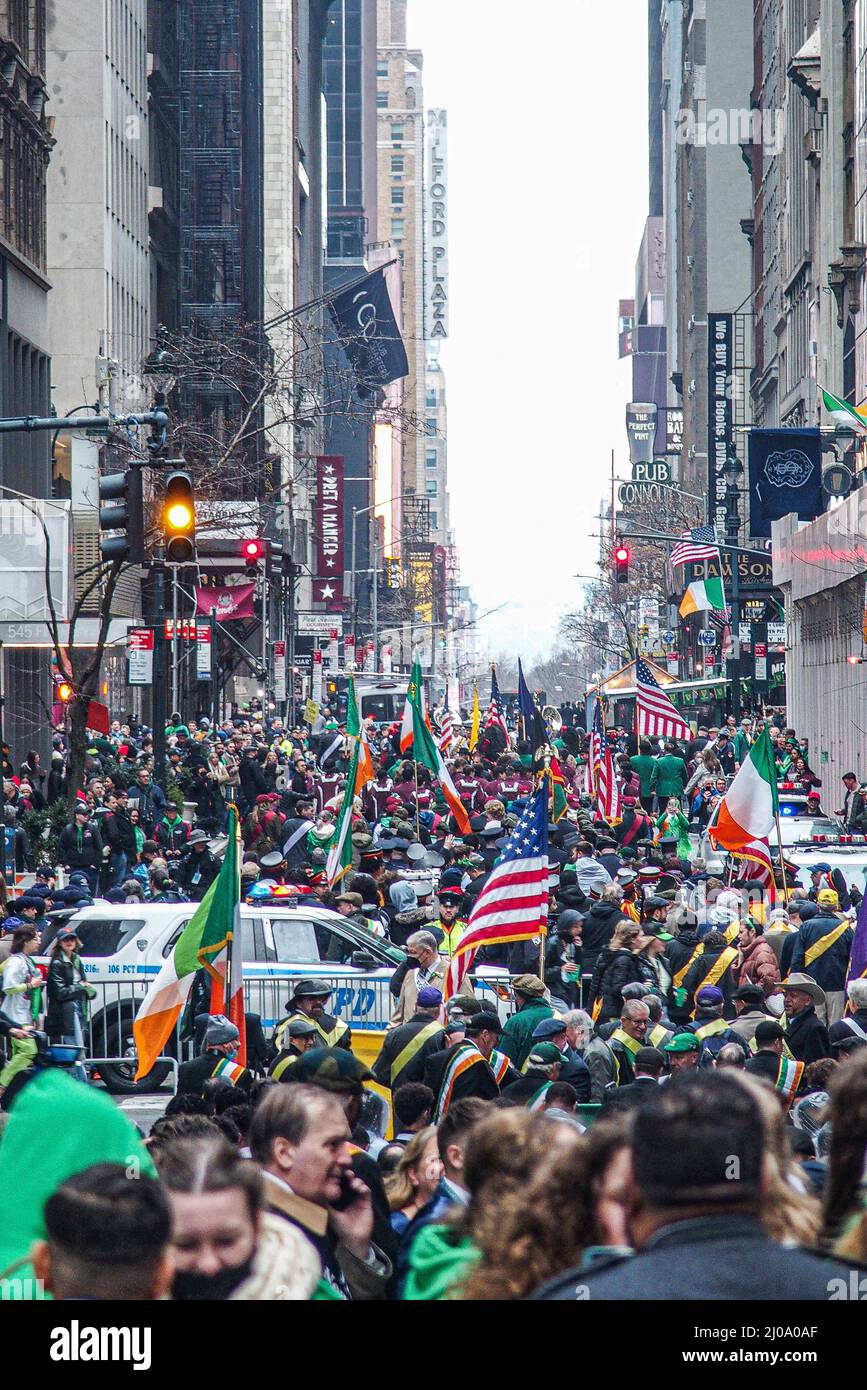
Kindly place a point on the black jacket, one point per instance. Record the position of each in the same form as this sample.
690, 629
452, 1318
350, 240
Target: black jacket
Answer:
839, 1032
66, 988
204, 865
710, 1258
393, 1045
698, 973
120, 832
806, 1037
614, 969
597, 932
193, 1075
80, 852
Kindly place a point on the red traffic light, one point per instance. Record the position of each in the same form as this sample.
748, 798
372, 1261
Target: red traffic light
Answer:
621, 555
254, 550
621, 564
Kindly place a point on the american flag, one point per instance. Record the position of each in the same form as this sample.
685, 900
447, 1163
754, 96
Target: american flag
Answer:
447, 733
656, 714
495, 709
699, 544
605, 787
757, 867
513, 905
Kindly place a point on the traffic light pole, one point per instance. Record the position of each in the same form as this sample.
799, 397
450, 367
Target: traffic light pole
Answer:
175, 697
158, 695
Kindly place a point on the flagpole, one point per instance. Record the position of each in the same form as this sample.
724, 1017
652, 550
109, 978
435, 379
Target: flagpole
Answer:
782, 862
544, 932
415, 772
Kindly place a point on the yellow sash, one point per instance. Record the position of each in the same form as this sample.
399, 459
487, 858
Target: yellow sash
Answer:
631, 1044
819, 947
709, 1030
415, 1044
731, 932
754, 1047
682, 972
657, 1035
283, 1065
716, 972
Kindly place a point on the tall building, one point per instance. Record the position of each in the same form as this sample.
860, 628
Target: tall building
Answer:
25, 367
25, 146
436, 323
401, 214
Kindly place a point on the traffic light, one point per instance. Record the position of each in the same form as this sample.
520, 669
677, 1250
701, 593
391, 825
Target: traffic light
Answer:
63, 692
179, 518
621, 565
253, 551
126, 516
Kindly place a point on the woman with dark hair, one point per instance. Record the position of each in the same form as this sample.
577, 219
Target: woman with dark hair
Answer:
68, 993
619, 963
845, 1193
22, 994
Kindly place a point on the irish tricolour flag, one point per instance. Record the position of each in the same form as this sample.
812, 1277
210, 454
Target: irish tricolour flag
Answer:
703, 594
210, 940
749, 808
854, 418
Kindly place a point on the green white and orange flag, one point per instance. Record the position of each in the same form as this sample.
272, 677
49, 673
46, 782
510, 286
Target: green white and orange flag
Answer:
424, 747
750, 807
355, 729
853, 417
339, 860
208, 940
703, 595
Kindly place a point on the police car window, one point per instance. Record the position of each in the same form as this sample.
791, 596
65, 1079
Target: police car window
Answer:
106, 936
252, 940
294, 940
170, 944
333, 945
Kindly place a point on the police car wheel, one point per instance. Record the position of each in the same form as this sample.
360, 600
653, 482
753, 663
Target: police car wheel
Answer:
119, 1078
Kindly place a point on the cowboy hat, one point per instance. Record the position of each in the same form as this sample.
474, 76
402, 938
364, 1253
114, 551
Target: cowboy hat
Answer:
806, 984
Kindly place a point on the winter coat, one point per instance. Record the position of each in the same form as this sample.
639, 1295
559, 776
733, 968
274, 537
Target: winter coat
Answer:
597, 931
671, 776
806, 1037
614, 969
172, 836
516, 1040
80, 849
758, 965
828, 969
67, 987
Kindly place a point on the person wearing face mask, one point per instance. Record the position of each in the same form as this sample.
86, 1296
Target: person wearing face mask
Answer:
225, 1245
220, 1048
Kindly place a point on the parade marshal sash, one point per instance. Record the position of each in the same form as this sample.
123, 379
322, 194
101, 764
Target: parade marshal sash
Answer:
718, 969
789, 1078
709, 1030
682, 972
467, 1055
754, 1047
819, 947
228, 1069
657, 1035
538, 1099
499, 1064
631, 1044
415, 1044
731, 932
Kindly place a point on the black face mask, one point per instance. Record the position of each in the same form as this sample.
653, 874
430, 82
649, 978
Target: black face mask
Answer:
189, 1286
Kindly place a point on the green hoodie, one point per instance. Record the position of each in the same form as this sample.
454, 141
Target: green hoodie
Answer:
439, 1259
57, 1127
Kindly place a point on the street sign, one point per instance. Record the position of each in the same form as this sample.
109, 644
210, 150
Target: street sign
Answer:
776, 634
658, 471
140, 655
318, 624
669, 637
761, 655
204, 637
707, 637
311, 712
279, 671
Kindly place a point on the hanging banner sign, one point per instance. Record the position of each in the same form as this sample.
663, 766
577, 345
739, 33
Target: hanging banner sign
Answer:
279, 671
720, 438
140, 656
204, 639
328, 585
316, 679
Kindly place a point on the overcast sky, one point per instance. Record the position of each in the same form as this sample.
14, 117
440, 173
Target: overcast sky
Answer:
547, 202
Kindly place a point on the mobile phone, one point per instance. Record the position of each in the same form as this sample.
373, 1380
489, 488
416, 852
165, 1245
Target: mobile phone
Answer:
348, 1195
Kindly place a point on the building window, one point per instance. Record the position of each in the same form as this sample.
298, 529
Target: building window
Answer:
431, 397
382, 100
430, 458
431, 487
397, 227
430, 425
397, 197
397, 163
397, 133
382, 67
434, 521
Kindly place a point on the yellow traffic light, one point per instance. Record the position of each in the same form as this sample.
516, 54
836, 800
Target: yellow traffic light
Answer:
179, 516
64, 692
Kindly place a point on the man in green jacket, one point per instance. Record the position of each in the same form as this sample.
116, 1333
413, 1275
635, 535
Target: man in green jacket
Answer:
671, 774
644, 764
516, 1039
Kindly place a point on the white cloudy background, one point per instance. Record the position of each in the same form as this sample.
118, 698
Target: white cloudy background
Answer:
547, 201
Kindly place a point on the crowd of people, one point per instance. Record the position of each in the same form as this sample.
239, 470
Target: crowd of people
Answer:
573, 1142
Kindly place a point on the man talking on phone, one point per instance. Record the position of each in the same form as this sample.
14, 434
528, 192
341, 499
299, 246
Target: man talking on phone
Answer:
301, 1138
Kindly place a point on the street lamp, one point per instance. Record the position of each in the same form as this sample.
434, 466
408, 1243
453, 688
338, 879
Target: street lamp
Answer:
160, 368
733, 471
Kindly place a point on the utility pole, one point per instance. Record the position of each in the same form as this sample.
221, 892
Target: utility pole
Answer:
158, 697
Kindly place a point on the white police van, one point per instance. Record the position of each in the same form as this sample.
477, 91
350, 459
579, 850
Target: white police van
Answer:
124, 946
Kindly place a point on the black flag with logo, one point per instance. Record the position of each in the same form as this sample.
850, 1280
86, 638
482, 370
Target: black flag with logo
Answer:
368, 330
785, 476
